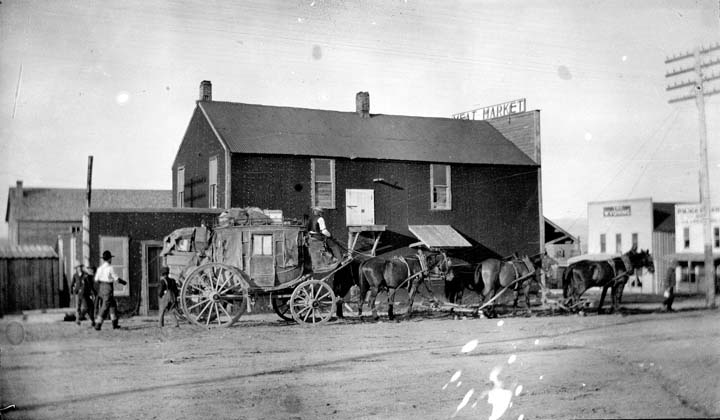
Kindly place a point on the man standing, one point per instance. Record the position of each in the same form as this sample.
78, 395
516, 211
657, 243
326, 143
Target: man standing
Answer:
105, 277
82, 286
320, 237
168, 296
670, 280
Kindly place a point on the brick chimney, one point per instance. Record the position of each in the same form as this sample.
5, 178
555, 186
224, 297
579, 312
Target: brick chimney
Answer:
18, 194
362, 104
205, 90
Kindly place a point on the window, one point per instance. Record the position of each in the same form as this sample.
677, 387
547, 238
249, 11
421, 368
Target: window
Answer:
602, 243
180, 187
618, 243
323, 185
440, 187
262, 245
716, 237
686, 237
635, 239
212, 183
118, 246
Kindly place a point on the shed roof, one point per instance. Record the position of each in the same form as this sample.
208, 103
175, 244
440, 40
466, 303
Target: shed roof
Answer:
261, 129
27, 251
68, 204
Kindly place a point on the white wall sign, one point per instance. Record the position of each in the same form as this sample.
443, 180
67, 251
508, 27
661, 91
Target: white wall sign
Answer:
616, 211
493, 111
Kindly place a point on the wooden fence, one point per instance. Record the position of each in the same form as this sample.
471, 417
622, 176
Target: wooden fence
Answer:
29, 278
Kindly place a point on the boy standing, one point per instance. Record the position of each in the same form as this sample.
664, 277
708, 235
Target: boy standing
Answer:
168, 294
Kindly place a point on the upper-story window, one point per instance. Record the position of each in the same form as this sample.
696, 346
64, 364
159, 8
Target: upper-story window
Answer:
716, 237
323, 183
602, 243
440, 187
634, 239
181, 187
212, 183
618, 243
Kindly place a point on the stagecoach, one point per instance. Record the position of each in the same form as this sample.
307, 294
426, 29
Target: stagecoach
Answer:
248, 256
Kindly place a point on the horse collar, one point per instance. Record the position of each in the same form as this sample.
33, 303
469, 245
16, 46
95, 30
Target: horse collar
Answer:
627, 263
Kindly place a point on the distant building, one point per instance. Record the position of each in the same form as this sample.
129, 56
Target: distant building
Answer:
616, 226
36, 216
690, 246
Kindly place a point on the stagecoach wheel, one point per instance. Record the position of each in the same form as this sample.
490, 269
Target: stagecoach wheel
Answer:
281, 306
312, 302
214, 295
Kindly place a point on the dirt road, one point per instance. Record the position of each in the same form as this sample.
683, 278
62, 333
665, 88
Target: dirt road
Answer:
431, 367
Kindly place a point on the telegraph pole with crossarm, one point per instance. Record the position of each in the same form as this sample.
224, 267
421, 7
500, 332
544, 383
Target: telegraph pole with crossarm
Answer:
698, 86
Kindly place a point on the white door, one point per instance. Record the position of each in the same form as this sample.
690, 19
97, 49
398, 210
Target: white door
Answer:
360, 207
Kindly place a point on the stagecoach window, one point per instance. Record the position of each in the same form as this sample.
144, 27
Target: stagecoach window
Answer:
262, 244
440, 187
323, 175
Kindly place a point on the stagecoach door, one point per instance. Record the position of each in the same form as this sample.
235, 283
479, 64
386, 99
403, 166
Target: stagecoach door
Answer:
360, 207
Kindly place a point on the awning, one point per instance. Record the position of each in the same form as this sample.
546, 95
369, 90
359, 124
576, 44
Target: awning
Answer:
438, 236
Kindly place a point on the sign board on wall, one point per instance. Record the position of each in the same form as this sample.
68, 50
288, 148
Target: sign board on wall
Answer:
493, 111
688, 214
616, 211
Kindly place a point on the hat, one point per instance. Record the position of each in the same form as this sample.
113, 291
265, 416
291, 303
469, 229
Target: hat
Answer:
164, 270
77, 264
90, 270
317, 209
106, 255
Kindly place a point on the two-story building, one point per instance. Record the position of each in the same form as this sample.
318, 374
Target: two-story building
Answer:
480, 177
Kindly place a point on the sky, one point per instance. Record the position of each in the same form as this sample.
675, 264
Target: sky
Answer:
119, 81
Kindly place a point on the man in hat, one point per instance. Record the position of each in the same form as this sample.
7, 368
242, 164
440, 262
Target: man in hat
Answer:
82, 287
320, 237
168, 294
669, 293
105, 277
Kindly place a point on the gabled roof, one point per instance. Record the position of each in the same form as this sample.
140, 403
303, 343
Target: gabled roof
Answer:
554, 233
260, 129
68, 204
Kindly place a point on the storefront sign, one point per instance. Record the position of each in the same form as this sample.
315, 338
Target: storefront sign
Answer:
616, 211
493, 111
688, 214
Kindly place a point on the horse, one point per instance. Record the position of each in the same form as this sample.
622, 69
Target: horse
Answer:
492, 275
377, 275
611, 274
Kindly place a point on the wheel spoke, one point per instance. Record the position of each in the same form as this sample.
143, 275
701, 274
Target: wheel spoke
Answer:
197, 304
203, 309
323, 296
227, 279
226, 312
207, 322
217, 312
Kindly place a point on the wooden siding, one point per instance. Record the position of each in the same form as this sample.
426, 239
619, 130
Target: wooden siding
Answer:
523, 130
27, 284
139, 226
494, 206
44, 233
198, 146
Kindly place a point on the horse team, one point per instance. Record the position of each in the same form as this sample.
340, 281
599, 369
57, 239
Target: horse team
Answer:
492, 277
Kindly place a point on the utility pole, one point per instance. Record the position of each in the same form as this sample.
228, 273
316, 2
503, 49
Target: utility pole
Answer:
86, 215
698, 86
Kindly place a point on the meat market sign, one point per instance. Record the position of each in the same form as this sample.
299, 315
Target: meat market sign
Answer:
493, 111
616, 211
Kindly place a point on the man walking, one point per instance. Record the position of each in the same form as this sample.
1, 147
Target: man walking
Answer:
105, 277
168, 293
82, 286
